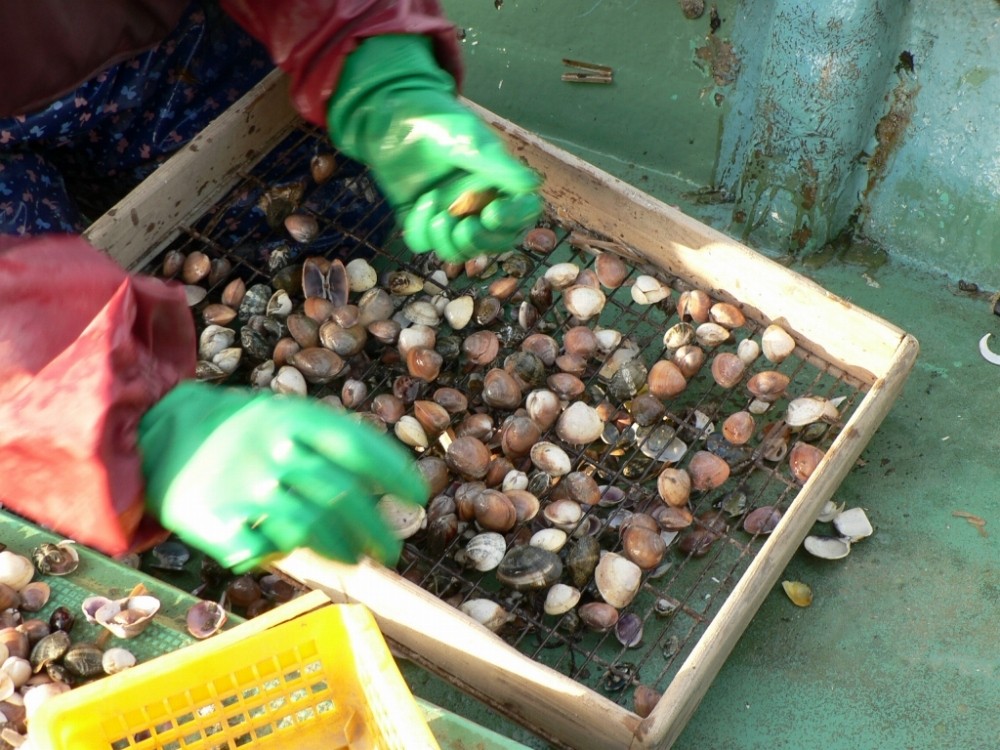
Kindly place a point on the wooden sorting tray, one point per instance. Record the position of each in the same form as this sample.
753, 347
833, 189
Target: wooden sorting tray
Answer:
837, 339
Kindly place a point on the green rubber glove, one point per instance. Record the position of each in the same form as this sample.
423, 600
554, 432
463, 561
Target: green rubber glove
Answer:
245, 476
395, 110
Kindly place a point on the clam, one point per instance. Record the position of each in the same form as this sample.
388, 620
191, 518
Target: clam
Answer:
803, 459
611, 270
15, 642
644, 547
214, 339
37, 695
410, 432
711, 335
49, 649
84, 660
552, 540
762, 520
315, 364
205, 619
694, 305
233, 294
696, 542
117, 659
827, 547
776, 343
674, 486
748, 350
403, 518
543, 407
561, 275
768, 385
468, 457
458, 312
34, 596
540, 240
689, 359
375, 304
830, 510
579, 487
280, 304
617, 579
288, 380
628, 630
727, 369
424, 364
125, 618
500, 390
486, 613
726, 315
322, 167
452, 399
403, 283
738, 427
583, 302
598, 616
15, 570
852, 524
648, 290
581, 560
678, 335
645, 699
494, 511
481, 347
799, 593
518, 435
360, 275
808, 409
421, 312
665, 380
525, 567
560, 599
550, 458
563, 514
56, 559
607, 339
485, 551
18, 669
707, 470
196, 267
415, 336
302, 227
579, 424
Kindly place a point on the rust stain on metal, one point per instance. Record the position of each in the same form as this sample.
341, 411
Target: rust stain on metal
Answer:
889, 131
720, 60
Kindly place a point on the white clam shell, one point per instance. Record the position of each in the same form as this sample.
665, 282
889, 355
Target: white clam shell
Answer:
711, 334
228, 359
776, 343
579, 424
748, 350
808, 409
485, 551
18, 669
415, 336
678, 335
410, 432
562, 275
127, 618
627, 350
280, 304
552, 540
422, 312
550, 458
827, 547
360, 275
853, 524
648, 290
560, 599
607, 339
458, 312
117, 659
830, 511
617, 579
15, 570
194, 294
486, 613
436, 283
288, 380
584, 302
403, 518
213, 340
563, 514
514, 480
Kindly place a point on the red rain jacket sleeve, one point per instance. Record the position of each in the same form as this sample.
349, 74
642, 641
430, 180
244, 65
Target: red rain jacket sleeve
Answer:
85, 350
309, 39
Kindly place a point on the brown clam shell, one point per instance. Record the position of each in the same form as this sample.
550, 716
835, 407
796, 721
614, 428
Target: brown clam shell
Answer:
707, 471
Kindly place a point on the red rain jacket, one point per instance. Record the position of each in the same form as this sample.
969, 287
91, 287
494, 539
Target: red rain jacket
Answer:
86, 349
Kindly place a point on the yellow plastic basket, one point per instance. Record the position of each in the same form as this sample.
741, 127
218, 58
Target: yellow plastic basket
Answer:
309, 674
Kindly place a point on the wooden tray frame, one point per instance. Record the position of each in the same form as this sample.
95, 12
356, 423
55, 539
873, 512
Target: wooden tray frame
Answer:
828, 329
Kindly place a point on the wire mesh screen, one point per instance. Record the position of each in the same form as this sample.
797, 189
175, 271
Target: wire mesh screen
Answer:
644, 508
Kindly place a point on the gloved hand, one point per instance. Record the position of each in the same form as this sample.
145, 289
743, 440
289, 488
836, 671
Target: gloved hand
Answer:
245, 476
395, 110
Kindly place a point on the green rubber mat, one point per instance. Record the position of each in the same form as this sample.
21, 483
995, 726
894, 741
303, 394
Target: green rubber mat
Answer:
99, 575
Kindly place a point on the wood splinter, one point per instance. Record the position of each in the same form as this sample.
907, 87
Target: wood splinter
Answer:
587, 73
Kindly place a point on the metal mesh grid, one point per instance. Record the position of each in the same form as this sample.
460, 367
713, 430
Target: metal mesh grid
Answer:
679, 598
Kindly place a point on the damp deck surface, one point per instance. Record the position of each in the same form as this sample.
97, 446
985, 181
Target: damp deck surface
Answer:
899, 648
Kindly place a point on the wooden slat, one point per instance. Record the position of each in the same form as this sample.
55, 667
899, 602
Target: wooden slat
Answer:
549, 703
821, 322
194, 178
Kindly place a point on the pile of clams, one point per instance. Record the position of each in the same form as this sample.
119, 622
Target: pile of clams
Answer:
584, 427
